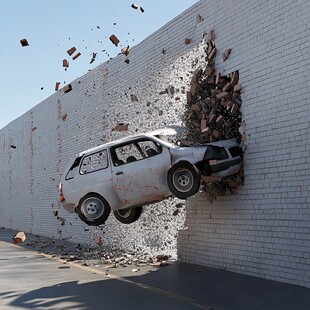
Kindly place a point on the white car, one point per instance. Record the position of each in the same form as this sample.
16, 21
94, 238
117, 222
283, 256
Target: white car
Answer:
128, 173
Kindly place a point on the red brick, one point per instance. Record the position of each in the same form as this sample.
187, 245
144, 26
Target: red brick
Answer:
19, 237
71, 50
114, 39
76, 56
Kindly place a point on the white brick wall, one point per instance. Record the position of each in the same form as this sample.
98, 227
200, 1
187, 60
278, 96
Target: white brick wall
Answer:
264, 229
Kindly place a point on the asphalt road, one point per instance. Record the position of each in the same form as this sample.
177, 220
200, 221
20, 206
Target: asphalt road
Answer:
33, 280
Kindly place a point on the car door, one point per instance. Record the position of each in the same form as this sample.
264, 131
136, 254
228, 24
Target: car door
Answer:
139, 175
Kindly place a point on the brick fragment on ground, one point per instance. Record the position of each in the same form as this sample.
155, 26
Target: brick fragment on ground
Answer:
114, 39
133, 98
24, 42
19, 237
98, 240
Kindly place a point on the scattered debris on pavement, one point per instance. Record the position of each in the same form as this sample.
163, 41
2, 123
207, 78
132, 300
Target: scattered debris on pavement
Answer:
19, 237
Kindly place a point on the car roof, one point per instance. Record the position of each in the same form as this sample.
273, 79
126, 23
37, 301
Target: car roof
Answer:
159, 132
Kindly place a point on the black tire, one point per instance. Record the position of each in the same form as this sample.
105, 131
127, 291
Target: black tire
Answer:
93, 209
183, 180
128, 216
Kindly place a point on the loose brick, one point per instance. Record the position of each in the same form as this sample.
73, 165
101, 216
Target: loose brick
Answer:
187, 41
57, 85
120, 127
19, 237
71, 50
67, 88
76, 56
114, 40
65, 63
24, 42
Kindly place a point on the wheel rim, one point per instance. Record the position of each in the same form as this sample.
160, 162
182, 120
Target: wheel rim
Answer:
92, 208
124, 213
183, 180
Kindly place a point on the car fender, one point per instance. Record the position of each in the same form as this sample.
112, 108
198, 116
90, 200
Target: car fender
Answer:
192, 155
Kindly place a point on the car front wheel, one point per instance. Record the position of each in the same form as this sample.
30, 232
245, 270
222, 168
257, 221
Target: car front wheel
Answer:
128, 216
183, 180
93, 209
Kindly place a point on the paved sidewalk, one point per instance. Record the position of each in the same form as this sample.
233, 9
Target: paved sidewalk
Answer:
33, 280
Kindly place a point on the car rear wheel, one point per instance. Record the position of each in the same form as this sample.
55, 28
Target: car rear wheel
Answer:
93, 209
128, 216
183, 180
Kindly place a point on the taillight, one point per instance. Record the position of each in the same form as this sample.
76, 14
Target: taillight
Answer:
61, 195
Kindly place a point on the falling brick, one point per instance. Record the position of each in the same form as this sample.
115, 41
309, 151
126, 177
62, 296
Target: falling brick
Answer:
13, 146
55, 213
67, 88
125, 50
24, 42
141, 9
226, 53
127, 61
71, 50
237, 88
135, 6
65, 63
76, 56
133, 98
98, 240
114, 40
199, 19
64, 116
19, 237
33, 129
120, 127
93, 58
187, 41
57, 86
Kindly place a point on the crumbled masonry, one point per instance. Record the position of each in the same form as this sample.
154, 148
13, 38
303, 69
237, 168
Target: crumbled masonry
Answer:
213, 113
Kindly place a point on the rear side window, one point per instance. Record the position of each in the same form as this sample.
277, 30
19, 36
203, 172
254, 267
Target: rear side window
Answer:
73, 169
94, 162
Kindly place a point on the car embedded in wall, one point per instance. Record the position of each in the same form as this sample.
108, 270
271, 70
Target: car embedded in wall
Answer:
126, 174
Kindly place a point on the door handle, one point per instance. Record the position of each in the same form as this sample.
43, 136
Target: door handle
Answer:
119, 172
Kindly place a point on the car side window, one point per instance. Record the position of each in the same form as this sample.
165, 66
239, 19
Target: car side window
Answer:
135, 151
94, 162
150, 148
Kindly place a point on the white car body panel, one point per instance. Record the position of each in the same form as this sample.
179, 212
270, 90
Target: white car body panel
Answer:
136, 183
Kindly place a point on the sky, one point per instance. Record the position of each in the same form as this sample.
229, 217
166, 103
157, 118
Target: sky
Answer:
28, 74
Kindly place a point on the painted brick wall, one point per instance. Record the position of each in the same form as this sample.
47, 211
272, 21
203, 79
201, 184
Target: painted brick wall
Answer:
264, 229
